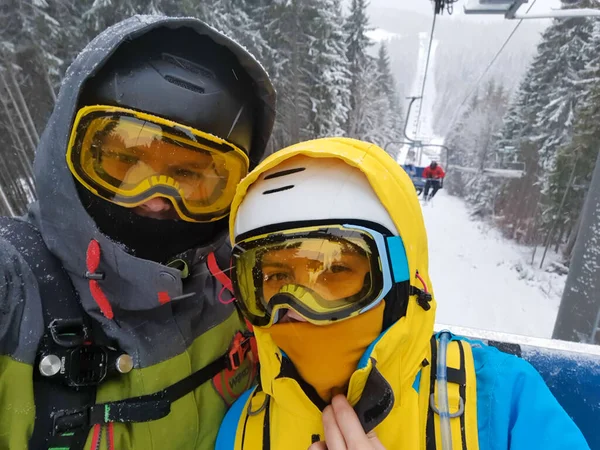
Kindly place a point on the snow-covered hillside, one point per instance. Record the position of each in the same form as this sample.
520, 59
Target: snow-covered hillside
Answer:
482, 280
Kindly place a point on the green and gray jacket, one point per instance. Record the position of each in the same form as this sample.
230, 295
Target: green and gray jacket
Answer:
167, 341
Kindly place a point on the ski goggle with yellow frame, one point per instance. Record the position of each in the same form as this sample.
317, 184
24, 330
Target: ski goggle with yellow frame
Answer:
128, 157
324, 273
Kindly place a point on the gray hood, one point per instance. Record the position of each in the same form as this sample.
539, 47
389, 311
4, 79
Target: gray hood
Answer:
130, 284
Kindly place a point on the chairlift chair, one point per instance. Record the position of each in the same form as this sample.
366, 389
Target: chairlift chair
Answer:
510, 8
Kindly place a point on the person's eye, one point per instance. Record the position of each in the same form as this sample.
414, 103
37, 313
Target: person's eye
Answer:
277, 276
129, 159
186, 173
339, 268
126, 158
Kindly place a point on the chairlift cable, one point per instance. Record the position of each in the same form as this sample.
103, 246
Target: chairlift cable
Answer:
439, 6
489, 66
425, 75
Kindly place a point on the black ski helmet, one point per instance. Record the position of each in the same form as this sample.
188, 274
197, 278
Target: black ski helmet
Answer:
188, 78
193, 75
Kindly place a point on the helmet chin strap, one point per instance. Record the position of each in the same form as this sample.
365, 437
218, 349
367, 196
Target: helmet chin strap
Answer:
152, 239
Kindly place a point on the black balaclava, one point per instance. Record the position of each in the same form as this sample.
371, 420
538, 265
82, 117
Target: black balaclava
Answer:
158, 240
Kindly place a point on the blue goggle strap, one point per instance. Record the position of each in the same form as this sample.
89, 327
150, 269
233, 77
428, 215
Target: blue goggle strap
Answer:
390, 249
397, 253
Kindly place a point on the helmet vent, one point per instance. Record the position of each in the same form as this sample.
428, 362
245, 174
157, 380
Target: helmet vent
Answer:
184, 84
283, 173
284, 188
188, 65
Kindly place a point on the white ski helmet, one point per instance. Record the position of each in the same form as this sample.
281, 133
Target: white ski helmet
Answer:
310, 189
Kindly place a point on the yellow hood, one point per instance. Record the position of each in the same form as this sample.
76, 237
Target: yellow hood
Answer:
403, 347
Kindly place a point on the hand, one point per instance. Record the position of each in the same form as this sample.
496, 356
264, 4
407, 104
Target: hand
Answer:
343, 430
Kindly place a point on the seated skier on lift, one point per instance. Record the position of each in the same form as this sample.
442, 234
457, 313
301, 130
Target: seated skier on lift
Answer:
330, 265
434, 174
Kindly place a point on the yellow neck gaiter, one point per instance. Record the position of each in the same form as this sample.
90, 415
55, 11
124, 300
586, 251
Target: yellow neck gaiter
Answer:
327, 355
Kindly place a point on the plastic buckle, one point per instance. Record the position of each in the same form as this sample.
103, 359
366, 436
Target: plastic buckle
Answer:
237, 352
458, 413
68, 420
423, 301
423, 298
68, 333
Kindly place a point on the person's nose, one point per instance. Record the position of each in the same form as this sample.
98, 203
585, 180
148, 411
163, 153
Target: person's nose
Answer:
157, 205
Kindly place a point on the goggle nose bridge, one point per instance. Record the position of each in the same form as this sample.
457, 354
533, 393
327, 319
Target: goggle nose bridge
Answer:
164, 180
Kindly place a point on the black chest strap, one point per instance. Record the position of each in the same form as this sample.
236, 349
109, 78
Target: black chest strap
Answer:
146, 408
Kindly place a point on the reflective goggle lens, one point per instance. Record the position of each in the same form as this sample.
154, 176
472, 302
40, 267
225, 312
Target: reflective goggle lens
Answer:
128, 157
323, 274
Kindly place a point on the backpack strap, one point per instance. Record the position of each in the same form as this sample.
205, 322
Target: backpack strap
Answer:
256, 431
59, 300
461, 385
150, 407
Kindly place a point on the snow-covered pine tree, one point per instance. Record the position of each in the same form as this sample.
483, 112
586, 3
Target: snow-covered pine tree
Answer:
518, 200
384, 113
483, 190
288, 32
540, 121
361, 68
329, 73
101, 14
456, 180
310, 69
390, 87
574, 162
241, 20
563, 51
32, 58
473, 144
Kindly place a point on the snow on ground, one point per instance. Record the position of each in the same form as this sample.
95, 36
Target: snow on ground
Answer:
381, 35
482, 280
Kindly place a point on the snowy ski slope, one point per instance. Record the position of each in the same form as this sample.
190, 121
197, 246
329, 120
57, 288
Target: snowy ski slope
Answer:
482, 280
